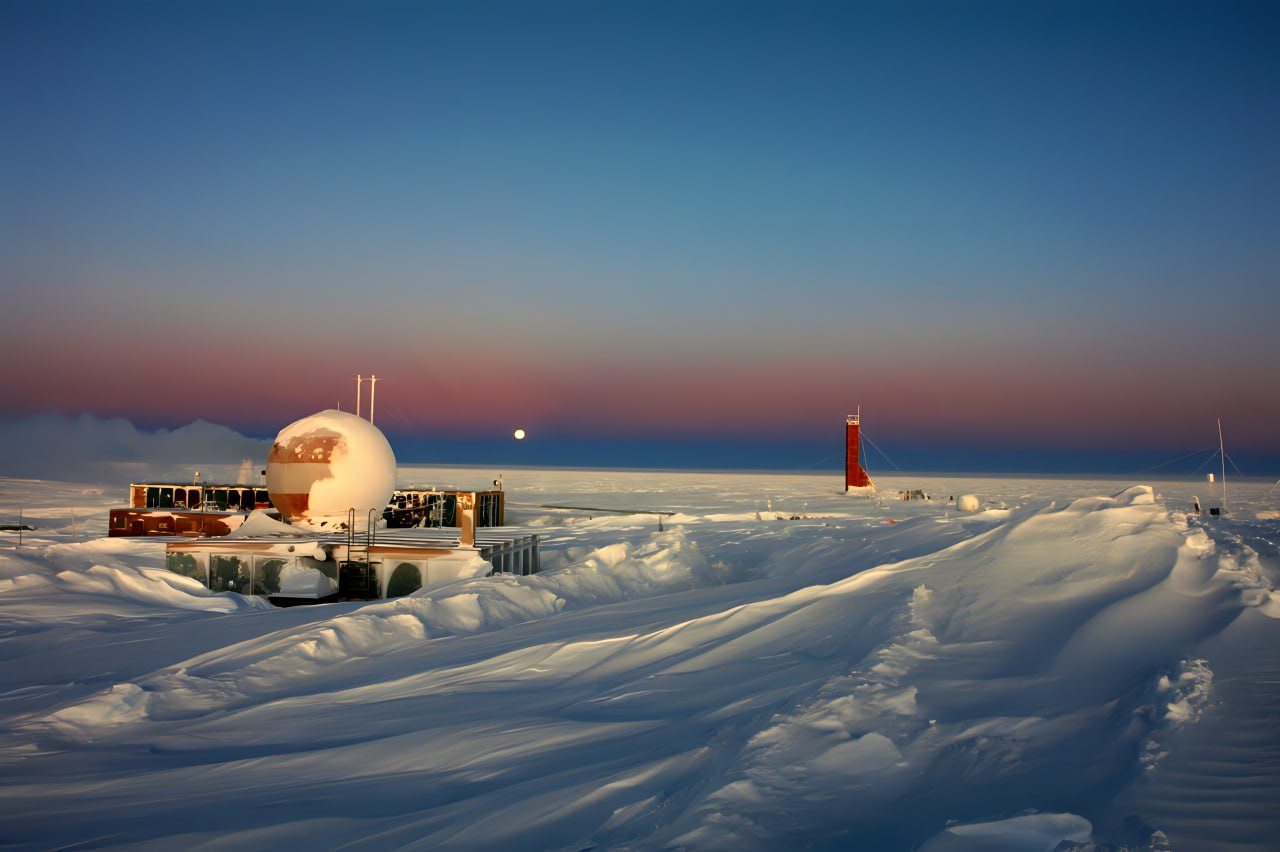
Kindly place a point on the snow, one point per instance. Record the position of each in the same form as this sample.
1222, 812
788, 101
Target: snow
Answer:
260, 524
1034, 833
782, 665
302, 582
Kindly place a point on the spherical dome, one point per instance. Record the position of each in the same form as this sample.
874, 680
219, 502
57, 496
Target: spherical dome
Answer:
322, 466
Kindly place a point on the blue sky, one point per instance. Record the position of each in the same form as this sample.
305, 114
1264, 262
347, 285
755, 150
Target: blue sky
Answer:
1011, 231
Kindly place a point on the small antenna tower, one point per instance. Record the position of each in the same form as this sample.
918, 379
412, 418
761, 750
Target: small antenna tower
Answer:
1222, 451
373, 391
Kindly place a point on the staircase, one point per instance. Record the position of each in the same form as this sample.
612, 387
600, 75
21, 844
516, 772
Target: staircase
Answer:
357, 575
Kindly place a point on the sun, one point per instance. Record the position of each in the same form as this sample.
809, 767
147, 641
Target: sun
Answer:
519, 434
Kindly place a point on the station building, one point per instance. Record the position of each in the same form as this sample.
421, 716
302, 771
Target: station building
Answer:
332, 526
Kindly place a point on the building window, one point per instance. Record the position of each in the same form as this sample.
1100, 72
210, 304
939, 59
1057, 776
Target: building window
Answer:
266, 575
405, 580
228, 574
186, 565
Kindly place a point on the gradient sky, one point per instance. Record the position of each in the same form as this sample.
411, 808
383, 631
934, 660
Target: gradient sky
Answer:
1012, 232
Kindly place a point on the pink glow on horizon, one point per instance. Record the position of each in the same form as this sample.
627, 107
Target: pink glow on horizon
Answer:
180, 374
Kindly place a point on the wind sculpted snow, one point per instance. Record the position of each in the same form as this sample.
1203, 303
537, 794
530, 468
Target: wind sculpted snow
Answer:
962, 681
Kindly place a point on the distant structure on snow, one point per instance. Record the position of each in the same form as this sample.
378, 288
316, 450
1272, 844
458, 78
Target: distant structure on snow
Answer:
330, 485
855, 475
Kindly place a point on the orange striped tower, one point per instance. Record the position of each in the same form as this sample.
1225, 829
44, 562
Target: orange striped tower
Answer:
854, 475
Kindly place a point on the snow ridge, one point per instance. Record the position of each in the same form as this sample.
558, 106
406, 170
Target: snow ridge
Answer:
960, 681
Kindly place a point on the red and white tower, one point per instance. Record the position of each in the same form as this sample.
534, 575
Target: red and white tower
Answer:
854, 475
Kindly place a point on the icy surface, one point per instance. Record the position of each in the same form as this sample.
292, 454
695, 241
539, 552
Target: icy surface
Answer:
1033, 833
781, 666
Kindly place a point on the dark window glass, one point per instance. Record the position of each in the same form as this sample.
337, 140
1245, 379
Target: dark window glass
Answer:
266, 575
406, 579
226, 574
186, 565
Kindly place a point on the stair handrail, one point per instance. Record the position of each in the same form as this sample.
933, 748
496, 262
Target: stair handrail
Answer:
370, 536
351, 531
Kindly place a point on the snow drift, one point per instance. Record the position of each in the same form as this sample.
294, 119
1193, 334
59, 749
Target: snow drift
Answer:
950, 681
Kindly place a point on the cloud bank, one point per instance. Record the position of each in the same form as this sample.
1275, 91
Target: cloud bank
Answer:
55, 446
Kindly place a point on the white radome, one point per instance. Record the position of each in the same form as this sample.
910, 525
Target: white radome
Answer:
322, 466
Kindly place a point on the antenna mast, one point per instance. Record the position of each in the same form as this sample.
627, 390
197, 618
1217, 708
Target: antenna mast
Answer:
373, 392
1222, 451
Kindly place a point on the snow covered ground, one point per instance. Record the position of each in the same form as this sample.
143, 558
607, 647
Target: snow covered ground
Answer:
780, 666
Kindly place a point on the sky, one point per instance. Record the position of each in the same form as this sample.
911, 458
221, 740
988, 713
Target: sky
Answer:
1021, 236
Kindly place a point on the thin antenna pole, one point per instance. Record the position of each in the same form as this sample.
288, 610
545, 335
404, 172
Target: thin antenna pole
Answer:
373, 391
862, 454
1222, 450
359, 384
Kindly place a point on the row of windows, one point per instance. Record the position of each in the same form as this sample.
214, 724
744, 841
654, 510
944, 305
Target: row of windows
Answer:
248, 575
441, 510
261, 575
166, 497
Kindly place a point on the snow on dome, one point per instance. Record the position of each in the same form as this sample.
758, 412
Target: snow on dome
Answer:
964, 503
323, 465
